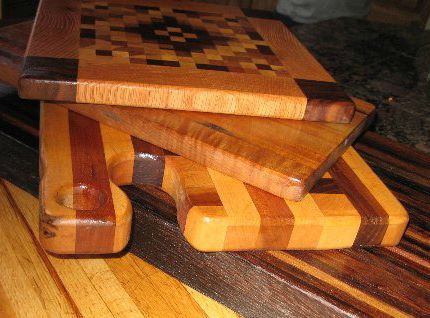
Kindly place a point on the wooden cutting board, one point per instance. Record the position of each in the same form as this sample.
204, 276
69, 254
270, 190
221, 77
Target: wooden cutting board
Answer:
176, 55
333, 283
283, 157
84, 211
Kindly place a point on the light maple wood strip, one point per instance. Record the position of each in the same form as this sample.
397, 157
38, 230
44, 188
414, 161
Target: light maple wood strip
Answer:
164, 295
115, 296
298, 60
120, 200
239, 211
212, 309
191, 90
114, 287
26, 283
303, 232
58, 182
6, 309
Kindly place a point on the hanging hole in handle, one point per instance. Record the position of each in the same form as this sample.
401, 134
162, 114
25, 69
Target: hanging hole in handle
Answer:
81, 197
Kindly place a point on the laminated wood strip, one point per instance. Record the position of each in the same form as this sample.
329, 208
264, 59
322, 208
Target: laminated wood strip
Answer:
92, 196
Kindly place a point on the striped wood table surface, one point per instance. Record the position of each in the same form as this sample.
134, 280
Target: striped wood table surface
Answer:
36, 284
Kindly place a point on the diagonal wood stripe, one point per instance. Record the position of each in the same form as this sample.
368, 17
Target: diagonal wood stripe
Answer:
277, 220
90, 176
327, 186
304, 234
241, 211
374, 219
397, 215
410, 256
119, 154
327, 278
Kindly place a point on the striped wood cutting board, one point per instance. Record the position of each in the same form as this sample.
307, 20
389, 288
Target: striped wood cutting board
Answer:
84, 211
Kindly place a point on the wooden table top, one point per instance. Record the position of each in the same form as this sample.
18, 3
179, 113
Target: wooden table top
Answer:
35, 284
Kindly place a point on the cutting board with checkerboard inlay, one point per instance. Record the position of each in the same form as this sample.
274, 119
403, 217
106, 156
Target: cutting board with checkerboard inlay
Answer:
175, 55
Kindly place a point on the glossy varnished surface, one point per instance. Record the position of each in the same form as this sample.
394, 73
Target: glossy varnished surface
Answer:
283, 157
174, 55
387, 282
360, 281
83, 211
253, 150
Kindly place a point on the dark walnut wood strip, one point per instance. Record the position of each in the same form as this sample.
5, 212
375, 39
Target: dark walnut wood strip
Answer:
51, 60
374, 218
90, 177
13, 42
38, 72
326, 100
148, 163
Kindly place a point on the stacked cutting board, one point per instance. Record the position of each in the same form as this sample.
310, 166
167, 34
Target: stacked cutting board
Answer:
230, 115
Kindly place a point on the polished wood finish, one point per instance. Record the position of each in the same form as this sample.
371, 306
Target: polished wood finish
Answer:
36, 284
361, 282
83, 211
173, 55
283, 157
253, 150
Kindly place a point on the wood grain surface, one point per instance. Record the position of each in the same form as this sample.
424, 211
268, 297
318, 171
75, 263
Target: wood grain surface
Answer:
283, 157
83, 210
174, 55
360, 282
253, 150
13, 41
36, 284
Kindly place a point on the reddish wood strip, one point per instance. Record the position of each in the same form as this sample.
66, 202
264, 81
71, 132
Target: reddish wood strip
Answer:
272, 210
90, 178
326, 185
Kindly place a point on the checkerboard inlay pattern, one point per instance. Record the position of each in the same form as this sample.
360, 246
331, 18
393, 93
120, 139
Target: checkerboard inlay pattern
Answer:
128, 33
